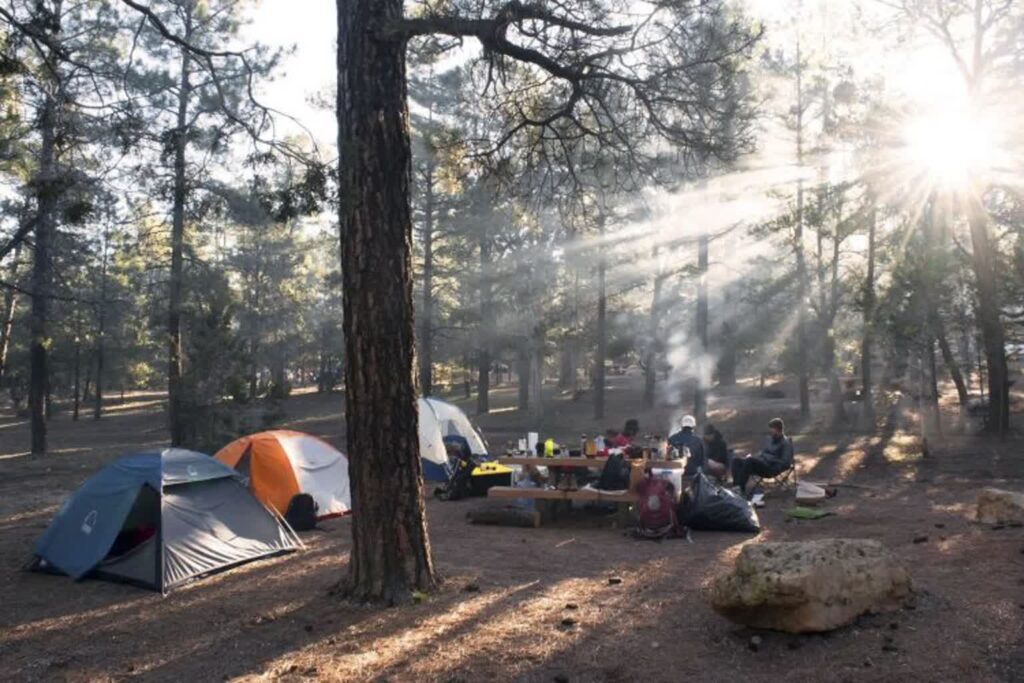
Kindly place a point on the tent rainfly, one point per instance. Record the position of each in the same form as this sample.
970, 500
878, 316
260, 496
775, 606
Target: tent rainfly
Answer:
280, 464
438, 419
160, 519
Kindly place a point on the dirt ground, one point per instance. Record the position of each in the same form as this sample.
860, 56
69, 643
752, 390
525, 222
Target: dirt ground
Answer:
499, 615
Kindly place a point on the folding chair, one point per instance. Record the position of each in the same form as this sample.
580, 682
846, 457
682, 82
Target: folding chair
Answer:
782, 480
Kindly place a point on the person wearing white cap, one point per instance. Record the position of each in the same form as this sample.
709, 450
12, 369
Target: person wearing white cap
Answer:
686, 439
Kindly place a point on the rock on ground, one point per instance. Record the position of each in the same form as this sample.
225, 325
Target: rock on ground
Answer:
810, 586
996, 506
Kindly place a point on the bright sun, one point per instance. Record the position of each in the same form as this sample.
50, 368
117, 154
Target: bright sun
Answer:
951, 147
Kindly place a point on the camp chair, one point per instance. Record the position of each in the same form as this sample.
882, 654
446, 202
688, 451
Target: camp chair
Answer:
783, 480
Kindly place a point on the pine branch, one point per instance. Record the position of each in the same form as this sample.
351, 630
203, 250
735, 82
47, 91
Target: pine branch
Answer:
206, 58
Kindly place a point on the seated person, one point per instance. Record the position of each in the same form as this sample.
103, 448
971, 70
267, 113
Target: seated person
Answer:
631, 429
776, 457
685, 440
615, 439
457, 448
716, 452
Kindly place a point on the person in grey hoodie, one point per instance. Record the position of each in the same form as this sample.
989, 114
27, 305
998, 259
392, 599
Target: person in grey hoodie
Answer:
776, 457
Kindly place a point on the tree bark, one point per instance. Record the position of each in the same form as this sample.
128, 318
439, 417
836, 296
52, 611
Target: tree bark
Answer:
391, 556
700, 399
7, 319
426, 345
48, 193
175, 418
602, 326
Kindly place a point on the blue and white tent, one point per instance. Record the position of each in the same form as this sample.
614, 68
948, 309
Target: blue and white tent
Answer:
438, 419
160, 519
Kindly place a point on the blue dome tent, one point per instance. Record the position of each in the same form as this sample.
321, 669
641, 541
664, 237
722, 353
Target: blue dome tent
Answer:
160, 519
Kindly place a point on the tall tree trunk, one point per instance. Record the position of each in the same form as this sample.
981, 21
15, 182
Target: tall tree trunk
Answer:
798, 247
254, 376
87, 387
567, 375
78, 376
537, 373
48, 192
426, 345
726, 366
7, 315
992, 333
951, 365
933, 389
101, 334
868, 335
700, 399
176, 420
484, 359
523, 376
574, 342
835, 387
653, 325
820, 269
391, 556
602, 326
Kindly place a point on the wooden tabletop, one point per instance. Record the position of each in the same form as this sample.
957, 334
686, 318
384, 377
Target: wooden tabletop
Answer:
591, 463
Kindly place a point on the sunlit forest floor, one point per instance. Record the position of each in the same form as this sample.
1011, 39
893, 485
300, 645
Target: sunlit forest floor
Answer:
276, 618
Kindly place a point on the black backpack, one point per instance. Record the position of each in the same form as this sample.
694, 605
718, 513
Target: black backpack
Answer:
615, 475
460, 483
301, 514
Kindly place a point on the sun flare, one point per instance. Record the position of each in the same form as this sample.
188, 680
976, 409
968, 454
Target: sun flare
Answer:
951, 147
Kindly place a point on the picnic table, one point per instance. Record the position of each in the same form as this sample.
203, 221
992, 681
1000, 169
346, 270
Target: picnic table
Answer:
624, 499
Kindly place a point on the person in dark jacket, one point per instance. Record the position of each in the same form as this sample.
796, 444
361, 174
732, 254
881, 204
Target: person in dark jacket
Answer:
716, 452
686, 439
776, 457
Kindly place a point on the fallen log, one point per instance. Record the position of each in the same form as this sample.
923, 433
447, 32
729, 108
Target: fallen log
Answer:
504, 516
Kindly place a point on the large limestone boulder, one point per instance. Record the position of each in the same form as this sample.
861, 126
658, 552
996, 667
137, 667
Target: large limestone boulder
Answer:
810, 586
996, 506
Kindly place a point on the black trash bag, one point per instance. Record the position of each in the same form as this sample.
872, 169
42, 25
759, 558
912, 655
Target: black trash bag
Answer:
713, 508
615, 475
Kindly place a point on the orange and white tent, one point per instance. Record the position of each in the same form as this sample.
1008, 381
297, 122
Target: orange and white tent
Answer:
280, 464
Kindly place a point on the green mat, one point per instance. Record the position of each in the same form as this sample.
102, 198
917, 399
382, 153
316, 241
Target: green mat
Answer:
800, 512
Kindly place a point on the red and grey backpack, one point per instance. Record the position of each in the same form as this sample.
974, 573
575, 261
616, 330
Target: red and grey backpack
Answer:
657, 509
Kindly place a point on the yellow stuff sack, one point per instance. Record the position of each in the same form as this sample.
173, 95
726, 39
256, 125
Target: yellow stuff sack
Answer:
489, 468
